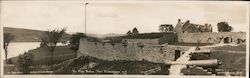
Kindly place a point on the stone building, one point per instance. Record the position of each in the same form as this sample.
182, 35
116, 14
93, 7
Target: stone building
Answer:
191, 27
194, 33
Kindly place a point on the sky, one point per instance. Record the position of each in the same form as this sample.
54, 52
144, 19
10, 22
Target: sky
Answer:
120, 16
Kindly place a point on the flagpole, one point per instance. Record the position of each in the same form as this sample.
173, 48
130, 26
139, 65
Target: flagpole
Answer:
85, 15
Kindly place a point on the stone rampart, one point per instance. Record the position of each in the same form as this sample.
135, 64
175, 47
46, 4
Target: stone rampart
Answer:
118, 51
142, 41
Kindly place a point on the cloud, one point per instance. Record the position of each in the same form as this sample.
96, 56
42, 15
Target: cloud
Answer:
118, 17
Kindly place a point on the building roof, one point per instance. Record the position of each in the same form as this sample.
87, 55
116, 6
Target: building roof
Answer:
191, 27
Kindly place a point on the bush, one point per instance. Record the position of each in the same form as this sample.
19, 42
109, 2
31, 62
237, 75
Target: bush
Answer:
9, 61
24, 62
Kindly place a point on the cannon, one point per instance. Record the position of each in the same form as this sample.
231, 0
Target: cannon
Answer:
205, 63
202, 51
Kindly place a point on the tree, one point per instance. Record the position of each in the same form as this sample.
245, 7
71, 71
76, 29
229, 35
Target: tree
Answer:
135, 31
24, 62
75, 40
50, 40
224, 27
166, 28
6, 41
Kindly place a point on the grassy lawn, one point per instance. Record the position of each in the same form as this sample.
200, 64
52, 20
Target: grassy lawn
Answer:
241, 47
233, 58
42, 55
231, 61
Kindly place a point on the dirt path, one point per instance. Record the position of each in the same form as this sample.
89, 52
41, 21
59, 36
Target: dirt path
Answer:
176, 69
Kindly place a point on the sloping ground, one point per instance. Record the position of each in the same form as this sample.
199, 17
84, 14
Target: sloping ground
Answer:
194, 71
42, 55
132, 67
231, 61
69, 66
29, 35
233, 58
8, 68
42, 58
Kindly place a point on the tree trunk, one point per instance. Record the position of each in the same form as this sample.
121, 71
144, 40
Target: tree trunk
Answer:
6, 54
51, 60
76, 53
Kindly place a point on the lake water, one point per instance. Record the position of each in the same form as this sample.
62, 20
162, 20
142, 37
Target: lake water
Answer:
17, 48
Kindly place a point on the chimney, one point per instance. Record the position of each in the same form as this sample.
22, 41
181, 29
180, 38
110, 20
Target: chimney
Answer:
179, 20
206, 24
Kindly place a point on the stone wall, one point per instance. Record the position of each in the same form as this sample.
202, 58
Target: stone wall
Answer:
143, 41
211, 37
117, 51
168, 38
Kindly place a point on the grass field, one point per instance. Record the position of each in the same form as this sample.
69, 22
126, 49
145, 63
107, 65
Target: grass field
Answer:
241, 47
231, 61
233, 58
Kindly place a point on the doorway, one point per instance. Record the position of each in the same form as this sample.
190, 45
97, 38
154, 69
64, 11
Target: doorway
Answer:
227, 40
177, 54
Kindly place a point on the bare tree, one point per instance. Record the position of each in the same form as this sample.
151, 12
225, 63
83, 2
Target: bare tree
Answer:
6, 41
50, 40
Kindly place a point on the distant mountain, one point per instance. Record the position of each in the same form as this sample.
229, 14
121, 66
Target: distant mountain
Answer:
29, 35
112, 35
100, 35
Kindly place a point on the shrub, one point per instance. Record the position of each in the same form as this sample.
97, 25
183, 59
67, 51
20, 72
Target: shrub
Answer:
9, 61
24, 62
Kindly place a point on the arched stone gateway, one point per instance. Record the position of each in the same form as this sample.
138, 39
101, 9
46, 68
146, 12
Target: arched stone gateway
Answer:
228, 40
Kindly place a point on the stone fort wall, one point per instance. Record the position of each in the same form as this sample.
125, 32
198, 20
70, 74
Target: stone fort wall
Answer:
210, 37
143, 41
117, 51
